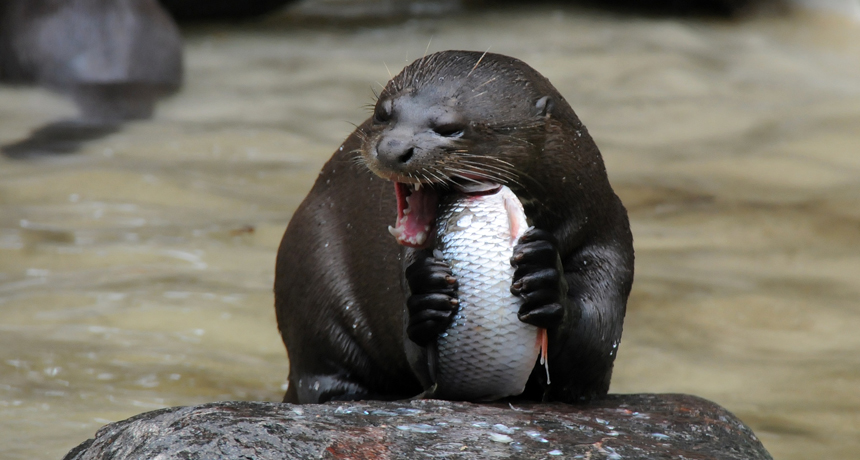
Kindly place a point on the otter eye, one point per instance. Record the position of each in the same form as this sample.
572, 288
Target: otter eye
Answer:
450, 130
382, 113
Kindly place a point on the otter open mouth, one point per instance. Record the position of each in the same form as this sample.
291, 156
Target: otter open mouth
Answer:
417, 205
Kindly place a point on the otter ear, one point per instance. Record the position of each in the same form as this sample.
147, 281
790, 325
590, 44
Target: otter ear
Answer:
544, 106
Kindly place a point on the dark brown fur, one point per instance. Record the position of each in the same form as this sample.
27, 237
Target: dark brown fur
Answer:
338, 287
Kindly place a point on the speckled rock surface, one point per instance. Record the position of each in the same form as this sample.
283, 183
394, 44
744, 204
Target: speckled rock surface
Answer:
620, 427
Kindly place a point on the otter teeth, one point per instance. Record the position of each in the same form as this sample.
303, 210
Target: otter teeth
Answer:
418, 186
419, 239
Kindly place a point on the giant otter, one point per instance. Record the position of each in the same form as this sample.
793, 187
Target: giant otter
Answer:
355, 308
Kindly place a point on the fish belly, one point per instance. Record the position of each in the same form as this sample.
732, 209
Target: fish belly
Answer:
487, 353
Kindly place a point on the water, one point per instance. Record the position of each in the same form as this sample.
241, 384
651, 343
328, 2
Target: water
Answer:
137, 274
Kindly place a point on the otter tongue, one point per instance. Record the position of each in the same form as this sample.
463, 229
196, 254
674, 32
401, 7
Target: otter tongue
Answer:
416, 214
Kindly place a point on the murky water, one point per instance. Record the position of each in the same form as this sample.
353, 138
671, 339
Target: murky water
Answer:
137, 274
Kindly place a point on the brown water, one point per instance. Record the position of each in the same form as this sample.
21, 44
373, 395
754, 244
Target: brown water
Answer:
137, 274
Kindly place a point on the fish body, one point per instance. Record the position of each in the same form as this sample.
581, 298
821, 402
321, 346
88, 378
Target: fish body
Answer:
487, 353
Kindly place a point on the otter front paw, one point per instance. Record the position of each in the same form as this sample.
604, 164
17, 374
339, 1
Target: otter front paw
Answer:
538, 279
433, 300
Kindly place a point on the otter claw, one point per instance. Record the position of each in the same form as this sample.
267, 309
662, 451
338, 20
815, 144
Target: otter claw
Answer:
538, 279
433, 301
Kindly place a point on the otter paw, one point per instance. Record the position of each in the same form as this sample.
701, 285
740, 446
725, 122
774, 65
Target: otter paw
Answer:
538, 279
433, 300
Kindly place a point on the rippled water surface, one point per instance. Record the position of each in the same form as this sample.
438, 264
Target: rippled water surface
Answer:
137, 274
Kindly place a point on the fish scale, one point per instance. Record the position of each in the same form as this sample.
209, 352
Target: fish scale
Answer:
487, 353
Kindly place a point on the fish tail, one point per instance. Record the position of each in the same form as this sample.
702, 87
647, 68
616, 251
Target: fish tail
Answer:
543, 341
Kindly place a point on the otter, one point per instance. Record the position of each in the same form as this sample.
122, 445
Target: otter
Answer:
357, 307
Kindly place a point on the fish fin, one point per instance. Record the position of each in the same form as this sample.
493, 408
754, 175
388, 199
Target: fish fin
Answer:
516, 217
426, 394
432, 367
543, 338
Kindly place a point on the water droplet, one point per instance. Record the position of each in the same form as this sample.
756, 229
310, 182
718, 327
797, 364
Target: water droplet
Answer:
417, 428
496, 437
503, 428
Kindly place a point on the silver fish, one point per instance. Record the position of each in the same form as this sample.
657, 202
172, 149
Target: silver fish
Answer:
487, 353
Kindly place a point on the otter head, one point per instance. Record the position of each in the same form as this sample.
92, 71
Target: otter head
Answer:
456, 121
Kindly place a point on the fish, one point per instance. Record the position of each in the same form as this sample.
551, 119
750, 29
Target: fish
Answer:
486, 353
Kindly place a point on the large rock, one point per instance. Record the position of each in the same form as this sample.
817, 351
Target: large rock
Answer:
619, 427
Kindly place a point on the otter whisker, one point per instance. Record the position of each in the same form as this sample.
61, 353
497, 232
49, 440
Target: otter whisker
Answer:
497, 172
362, 135
422, 173
504, 166
469, 160
475, 157
487, 157
447, 178
496, 169
484, 83
477, 95
460, 176
439, 175
477, 63
485, 174
426, 49
424, 177
463, 172
512, 137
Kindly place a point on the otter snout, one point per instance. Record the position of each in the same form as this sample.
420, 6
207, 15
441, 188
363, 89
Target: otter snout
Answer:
395, 152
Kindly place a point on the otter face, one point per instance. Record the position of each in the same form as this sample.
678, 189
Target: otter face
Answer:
454, 122
412, 134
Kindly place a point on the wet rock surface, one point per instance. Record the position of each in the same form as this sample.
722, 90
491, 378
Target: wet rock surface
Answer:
622, 426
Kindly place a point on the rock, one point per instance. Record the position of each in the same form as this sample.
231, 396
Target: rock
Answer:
619, 427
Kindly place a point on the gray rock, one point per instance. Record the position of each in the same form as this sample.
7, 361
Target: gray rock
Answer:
619, 427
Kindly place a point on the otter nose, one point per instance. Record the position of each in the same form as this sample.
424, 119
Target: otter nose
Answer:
394, 152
